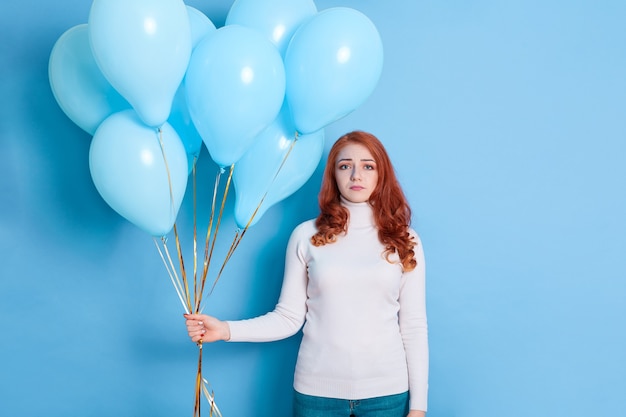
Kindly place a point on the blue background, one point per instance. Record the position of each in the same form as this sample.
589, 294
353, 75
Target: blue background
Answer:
506, 121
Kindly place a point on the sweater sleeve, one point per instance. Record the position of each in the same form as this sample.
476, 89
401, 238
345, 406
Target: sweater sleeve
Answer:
289, 314
414, 329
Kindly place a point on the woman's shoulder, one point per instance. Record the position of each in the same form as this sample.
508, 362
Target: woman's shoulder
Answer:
414, 235
301, 236
306, 228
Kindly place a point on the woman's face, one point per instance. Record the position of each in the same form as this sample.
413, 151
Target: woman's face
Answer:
356, 173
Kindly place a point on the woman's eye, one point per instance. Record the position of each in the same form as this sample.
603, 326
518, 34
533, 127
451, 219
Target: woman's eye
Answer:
344, 166
370, 167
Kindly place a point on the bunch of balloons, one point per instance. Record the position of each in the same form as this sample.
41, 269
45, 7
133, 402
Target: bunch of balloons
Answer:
155, 80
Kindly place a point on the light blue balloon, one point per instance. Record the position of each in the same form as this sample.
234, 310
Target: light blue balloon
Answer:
200, 25
259, 171
142, 47
142, 181
79, 87
276, 19
333, 63
180, 119
235, 86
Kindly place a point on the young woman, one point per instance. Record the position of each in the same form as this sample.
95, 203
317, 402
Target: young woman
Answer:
355, 278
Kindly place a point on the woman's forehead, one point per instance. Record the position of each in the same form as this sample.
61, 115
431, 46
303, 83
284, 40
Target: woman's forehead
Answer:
354, 151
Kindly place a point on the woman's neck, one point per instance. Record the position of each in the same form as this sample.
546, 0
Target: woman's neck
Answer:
361, 214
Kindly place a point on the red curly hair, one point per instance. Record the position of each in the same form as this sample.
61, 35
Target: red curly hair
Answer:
392, 213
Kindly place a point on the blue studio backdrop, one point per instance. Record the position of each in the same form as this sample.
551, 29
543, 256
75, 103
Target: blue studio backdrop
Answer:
505, 122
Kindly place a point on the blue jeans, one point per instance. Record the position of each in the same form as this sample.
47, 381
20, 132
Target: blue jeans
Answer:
396, 405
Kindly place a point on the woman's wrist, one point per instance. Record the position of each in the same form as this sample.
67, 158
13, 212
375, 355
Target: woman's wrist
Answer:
225, 331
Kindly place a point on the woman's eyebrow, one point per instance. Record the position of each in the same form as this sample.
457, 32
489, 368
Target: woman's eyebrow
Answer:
350, 159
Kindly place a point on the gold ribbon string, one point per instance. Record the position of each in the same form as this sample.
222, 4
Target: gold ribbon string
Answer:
282, 164
172, 273
167, 171
198, 397
217, 226
239, 237
207, 258
185, 287
182, 267
211, 399
182, 288
196, 300
182, 285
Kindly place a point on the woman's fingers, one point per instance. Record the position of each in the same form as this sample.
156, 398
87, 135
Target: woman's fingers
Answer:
195, 321
195, 326
205, 328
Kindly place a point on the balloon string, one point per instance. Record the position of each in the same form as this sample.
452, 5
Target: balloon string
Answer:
293, 143
182, 267
211, 399
167, 170
219, 217
183, 287
207, 259
196, 409
239, 237
282, 164
217, 226
172, 213
231, 250
172, 274
197, 295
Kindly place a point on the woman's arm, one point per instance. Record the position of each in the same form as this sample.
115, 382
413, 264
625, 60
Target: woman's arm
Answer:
414, 329
285, 320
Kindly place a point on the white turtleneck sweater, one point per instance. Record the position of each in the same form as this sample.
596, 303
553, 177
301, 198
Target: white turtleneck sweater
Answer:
365, 332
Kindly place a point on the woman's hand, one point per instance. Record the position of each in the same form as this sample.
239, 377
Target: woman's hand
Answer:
206, 328
416, 413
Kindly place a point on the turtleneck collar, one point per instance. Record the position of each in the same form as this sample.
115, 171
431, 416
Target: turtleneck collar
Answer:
361, 214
